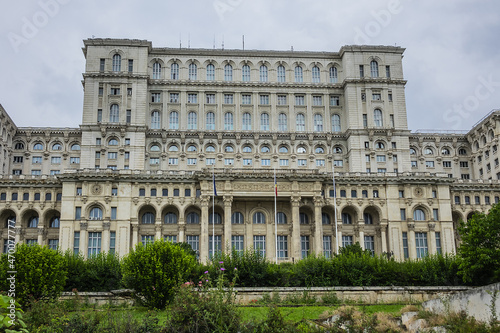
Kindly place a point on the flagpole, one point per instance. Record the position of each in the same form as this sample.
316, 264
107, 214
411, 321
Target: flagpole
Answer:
335, 209
213, 213
276, 214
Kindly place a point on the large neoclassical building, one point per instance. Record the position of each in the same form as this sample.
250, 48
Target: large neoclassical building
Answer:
159, 124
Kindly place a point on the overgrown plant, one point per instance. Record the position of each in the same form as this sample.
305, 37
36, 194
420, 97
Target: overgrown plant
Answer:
11, 316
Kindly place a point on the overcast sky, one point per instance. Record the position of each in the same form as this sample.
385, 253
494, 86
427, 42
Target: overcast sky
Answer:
452, 58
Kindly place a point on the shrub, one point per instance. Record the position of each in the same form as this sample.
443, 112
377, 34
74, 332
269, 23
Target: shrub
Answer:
155, 270
11, 316
41, 273
100, 272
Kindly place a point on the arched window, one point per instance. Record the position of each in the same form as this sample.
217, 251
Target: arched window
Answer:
33, 222
95, 213
282, 122
247, 121
281, 73
418, 215
264, 122
192, 120
228, 121
319, 150
210, 149
155, 120
218, 218
173, 148
245, 73
374, 68
336, 123
300, 124
174, 71
57, 146
318, 123
283, 150
55, 222
155, 148
304, 219
337, 150
263, 73
237, 218
377, 118
75, 147
325, 218
19, 145
379, 145
445, 151
301, 150
156, 71
229, 149
228, 73
114, 113
413, 151
113, 142
193, 218
148, 218
170, 218
38, 146
247, 149
173, 120
428, 151
117, 63
462, 151
368, 218
210, 124
191, 148
298, 74
193, 71
333, 75
346, 218
281, 218
316, 75
259, 218
265, 149
210, 72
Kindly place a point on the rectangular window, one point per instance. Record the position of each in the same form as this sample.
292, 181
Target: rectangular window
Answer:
237, 244
438, 243
156, 97
446, 164
265, 162
354, 194
217, 241
376, 97
317, 100
36, 172
283, 162
210, 161
414, 164
421, 244
301, 162
176, 192
53, 244
435, 214
464, 164
282, 247
401, 193
147, 239
170, 238
304, 246
334, 100
327, 246
247, 161
115, 91
76, 242
173, 161
281, 99
338, 163
246, 99
131, 65
164, 192
94, 246
229, 161
467, 200
55, 172
370, 244
112, 242
465, 176
112, 155
102, 64
361, 71
194, 242
174, 97
346, 241
228, 99
36, 159
259, 245
187, 192
343, 194
191, 161
26, 196
402, 212
320, 163
18, 159
142, 192
300, 100
388, 71
365, 121
98, 141
113, 213
406, 254
380, 158
193, 98
78, 213
210, 98
74, 160
264, 99
487, 200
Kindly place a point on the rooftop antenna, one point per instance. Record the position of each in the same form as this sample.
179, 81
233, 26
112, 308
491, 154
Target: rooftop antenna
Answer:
292, 48
214, 41
180, 42
93, 36
223, 42
189, 41
243, 42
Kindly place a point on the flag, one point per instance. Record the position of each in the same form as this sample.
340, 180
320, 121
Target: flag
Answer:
275, 184
215, 189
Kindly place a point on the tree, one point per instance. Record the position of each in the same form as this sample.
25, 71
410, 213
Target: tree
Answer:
479, 253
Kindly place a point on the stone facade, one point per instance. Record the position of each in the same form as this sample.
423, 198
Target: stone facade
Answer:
159, 124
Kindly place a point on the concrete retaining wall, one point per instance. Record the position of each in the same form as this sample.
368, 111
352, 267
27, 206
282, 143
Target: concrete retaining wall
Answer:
369, 295
479, 303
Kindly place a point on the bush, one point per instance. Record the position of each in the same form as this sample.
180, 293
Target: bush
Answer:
155, 270
41, 273
100, 272
11, 315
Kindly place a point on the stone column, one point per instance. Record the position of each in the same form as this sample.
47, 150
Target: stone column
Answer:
432, 238
383, 236
270, 240
19, 232
135, 234
105, 236
182, 231
41, 231
226, 241
158, 224
412, 250
295, 250
84, 239
361, 233
318, 230
204, 229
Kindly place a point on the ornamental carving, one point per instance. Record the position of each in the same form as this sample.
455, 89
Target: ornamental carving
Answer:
419, 192
83, 225
106, 225
432, 226
96, 189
